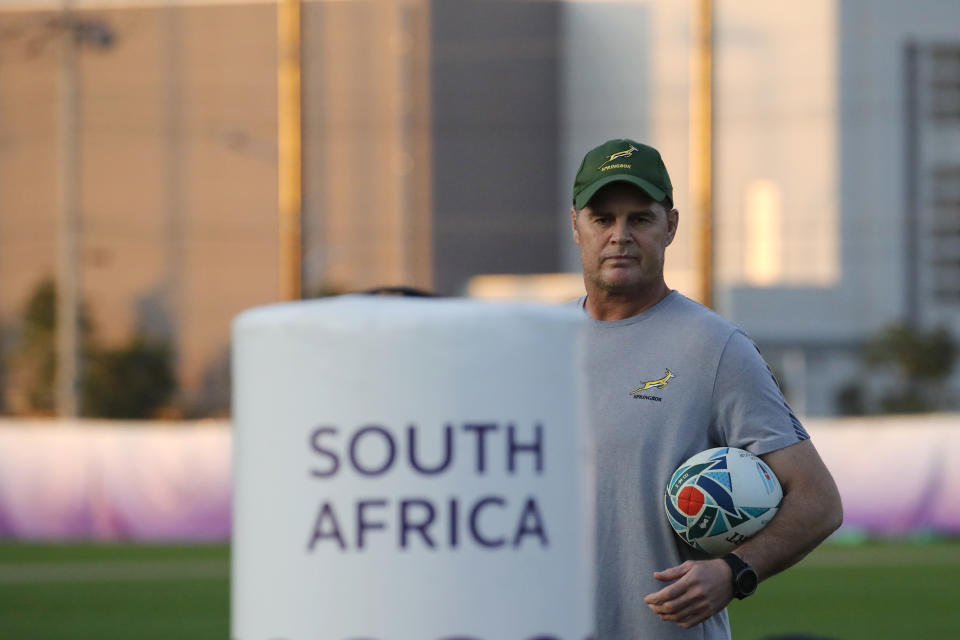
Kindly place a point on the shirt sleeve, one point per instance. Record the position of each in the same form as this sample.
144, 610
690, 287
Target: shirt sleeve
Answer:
749, 411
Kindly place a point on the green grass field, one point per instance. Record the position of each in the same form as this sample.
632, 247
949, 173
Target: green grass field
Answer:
868, 591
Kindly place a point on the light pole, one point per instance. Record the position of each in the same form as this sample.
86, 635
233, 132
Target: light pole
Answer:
289, 171
701, 143
68, 267
73, 33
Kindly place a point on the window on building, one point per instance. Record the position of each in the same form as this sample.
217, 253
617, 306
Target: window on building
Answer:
945, 83
764, 234
945, 229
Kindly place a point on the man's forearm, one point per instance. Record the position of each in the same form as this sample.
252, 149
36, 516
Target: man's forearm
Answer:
811, 510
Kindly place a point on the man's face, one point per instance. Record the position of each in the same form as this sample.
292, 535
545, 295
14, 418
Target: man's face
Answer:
622, 235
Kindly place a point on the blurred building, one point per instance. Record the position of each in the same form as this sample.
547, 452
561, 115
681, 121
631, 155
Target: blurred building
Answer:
838, 171
440, 140
430, 138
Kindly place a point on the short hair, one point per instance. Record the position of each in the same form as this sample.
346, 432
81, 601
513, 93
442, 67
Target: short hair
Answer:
405, 291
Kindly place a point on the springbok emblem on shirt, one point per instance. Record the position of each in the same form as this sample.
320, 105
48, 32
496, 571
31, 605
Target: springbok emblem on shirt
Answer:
659, 384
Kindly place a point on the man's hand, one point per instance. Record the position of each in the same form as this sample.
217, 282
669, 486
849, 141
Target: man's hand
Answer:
701, 589
810, 511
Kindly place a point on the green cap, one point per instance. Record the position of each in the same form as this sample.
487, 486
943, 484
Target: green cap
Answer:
622, 160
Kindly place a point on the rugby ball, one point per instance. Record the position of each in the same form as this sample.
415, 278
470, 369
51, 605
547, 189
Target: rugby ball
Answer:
720, 497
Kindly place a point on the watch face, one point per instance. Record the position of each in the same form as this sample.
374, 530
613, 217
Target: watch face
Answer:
747, 582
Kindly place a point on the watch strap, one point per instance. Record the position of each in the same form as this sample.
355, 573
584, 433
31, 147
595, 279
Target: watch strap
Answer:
740, 569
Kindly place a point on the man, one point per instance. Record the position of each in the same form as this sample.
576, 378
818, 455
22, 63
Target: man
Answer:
670, 378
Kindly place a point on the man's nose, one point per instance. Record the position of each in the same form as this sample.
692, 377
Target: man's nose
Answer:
621, 232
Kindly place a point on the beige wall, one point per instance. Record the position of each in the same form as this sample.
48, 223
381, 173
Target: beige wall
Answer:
178, 164
177, 171
367, 168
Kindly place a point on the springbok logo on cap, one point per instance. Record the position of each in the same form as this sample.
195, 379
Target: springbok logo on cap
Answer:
626, 153
622, 160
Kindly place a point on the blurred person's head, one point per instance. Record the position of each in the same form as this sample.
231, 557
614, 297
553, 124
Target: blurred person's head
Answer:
411, 292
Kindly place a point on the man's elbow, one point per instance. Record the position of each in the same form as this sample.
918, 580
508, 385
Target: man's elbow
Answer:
837, 519
832, 516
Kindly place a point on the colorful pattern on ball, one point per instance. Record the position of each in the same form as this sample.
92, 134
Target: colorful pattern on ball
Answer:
701, 505
690, 500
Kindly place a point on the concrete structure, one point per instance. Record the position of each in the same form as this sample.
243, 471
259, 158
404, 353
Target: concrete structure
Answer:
843, 151
496, 87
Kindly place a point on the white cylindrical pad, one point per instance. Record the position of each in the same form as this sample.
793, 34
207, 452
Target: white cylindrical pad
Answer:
410, 469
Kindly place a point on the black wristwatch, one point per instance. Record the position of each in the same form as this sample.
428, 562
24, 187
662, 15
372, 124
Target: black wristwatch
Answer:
745, 579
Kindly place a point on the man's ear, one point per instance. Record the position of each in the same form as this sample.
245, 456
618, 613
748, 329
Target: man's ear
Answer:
673, 220
573, 222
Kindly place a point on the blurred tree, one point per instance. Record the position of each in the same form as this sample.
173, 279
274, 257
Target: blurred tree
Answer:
3, 370
34, 359
133, 381
920, 364
851, 400
923, 362
212, 398
917, 355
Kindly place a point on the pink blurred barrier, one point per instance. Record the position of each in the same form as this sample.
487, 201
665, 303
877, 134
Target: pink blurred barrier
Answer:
154, 481
114, 480
898, 474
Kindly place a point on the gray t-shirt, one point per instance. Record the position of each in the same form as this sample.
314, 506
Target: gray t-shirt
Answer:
664, 385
